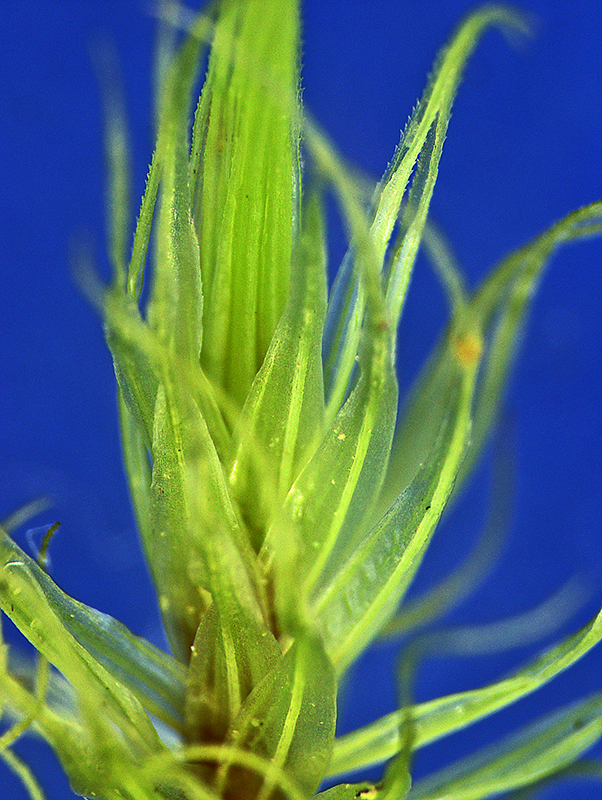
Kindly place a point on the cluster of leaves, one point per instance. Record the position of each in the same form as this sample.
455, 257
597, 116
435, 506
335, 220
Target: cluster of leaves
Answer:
282, 504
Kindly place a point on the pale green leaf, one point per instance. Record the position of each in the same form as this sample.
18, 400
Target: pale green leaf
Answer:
42, 612
536, 751
153, 677
379, 741
334, 494
352, 791
180, 539
229, 658
21, 769
499, 307
176, 304
367, 586
419, 150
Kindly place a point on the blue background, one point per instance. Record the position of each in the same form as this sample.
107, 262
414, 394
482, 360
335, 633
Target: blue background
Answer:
523, 149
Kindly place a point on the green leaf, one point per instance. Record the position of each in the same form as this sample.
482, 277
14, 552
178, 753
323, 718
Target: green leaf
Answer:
42, 613
199, 532
134, 359
503, 302
176, 304
327, 506
499, 307
155, 679
282, 420
179, 523
352, 791
230, 656
379, 741
419, 151
538, 750
248, 186
289, 719
367, 586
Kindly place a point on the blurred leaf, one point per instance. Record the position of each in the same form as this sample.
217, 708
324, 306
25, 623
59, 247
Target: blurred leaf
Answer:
499, 307
81, 641
538, 750
379, 741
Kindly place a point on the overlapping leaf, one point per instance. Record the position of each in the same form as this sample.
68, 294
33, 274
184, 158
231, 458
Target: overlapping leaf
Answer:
248, 184
290, 718
540, 749
380, 740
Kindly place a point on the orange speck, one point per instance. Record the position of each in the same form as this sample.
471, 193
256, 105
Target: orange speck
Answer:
468, 348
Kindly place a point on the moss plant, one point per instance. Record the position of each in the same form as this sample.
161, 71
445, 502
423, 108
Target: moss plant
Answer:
284, 503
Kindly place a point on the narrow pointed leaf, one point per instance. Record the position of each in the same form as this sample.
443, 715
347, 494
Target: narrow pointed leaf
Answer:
176, 306
282, 419
229, 658
329, 502
366, 588
541, 749
421, 143
43, 614
499, 306
379, 741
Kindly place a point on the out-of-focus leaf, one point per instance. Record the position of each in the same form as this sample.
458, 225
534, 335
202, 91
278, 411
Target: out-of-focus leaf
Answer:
379, 741
499, 306
538, 750
153, 677
352, 791
41, 612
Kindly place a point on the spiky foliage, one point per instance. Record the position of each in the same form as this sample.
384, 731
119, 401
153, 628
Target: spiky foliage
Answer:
283, 507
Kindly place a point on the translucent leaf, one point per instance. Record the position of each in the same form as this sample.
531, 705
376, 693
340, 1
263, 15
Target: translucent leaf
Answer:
282, 420
379, 741
229, 658
351, 791
365, 589
499, 307
248, 186
289, 719
199, 532
41, 612
538, 750
503, 301
421, 144
332, 497
134, 361
180, 523
153, 677
21, 769
176, 305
